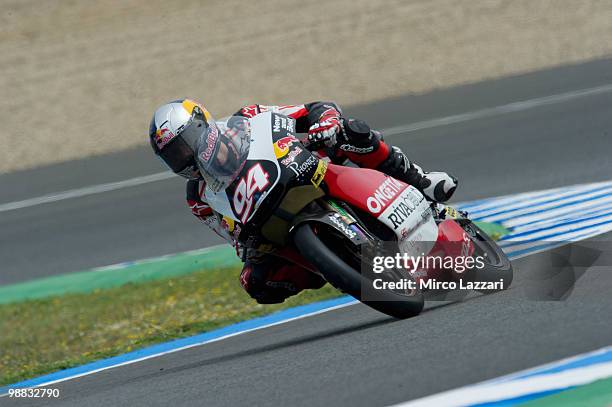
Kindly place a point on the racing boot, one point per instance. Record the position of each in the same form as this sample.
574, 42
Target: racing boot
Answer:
436, 186
271, 280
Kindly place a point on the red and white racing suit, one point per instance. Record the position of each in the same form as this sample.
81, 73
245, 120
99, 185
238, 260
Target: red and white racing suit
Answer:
270, 279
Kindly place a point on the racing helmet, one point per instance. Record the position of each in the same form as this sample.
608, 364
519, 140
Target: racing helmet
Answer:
175, 133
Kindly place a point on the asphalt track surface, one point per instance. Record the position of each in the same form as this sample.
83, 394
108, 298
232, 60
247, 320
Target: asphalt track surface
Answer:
352, 356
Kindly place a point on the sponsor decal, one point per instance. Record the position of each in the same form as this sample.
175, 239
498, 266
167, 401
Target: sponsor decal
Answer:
319, 173
211, 141
299, 169
451, 213
337, 220
255, 180
277, 125
281, 146
426, 214
291, 157
403, 207
163, 136
211, 222
227, 223
384, 194
283, 122
353, 149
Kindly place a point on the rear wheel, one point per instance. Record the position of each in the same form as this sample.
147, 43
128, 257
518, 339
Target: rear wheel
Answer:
342, 270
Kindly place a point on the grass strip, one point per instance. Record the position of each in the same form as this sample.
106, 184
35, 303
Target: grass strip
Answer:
494, 230
43, 336
596, 394
117, 275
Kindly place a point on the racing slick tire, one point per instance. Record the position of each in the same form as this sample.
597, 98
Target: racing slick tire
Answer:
349, 280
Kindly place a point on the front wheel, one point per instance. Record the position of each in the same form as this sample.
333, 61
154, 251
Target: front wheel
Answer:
348, 278
497, 265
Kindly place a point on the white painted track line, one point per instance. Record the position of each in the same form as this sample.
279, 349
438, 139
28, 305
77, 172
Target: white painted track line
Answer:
80, 192
499, 110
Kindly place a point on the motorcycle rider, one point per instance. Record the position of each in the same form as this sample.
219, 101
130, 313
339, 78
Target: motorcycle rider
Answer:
182, 129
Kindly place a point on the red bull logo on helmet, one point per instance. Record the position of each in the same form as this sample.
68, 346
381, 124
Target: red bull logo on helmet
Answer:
163, 136
211, 141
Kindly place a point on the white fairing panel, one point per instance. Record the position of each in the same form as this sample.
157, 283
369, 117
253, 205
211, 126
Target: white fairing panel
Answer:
219, 203
261, 148
410, 217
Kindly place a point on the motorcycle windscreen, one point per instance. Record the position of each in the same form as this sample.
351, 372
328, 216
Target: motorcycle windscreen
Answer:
222, 152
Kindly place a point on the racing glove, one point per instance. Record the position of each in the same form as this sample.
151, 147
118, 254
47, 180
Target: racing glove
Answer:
325, 131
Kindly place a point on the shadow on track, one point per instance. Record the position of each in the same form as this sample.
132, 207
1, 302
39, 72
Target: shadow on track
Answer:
258, 351
269, 348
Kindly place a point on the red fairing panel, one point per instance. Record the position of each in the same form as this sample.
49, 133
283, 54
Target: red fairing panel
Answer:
366, 189
453, 240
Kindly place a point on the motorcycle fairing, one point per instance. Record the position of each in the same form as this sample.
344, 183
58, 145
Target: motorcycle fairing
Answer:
398, 205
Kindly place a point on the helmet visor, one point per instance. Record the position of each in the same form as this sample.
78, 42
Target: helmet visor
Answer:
222, 152
179, 154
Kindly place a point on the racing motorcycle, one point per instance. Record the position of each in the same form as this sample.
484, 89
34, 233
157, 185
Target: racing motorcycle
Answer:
334, 220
